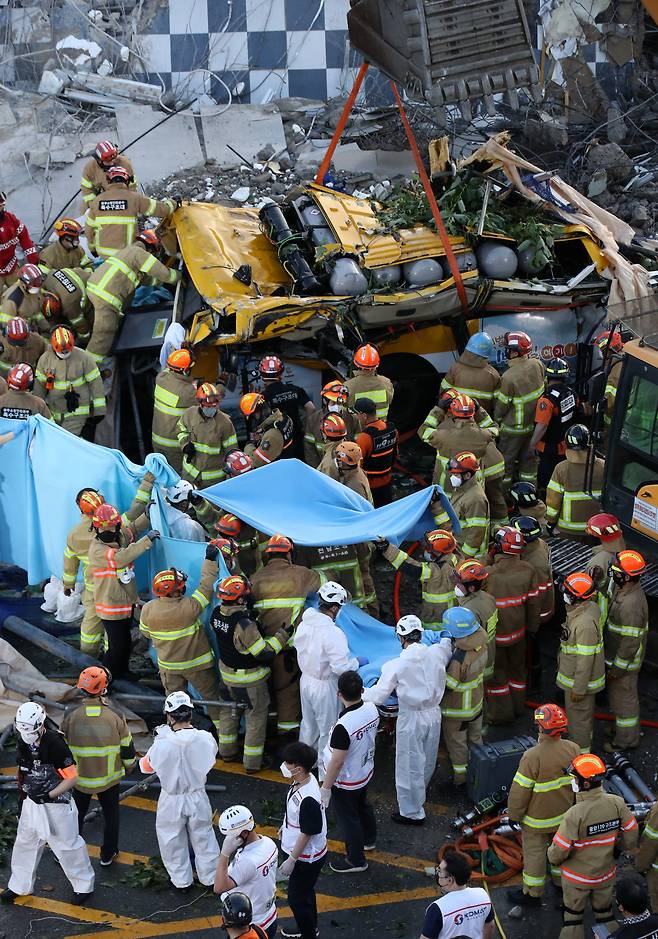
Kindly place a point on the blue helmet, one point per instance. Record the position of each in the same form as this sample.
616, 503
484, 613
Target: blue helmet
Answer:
460, 622
481, 344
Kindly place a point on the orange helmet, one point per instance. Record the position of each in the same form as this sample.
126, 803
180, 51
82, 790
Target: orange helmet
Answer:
229, 526
149, 238
604, 526
449, 393
471, 572
270, 366
238, 463
518, 342
93, 680
251, 402
335, 392
508, 540
464, 462
610, 342
62, 339
279, 544
106, 151
462, 407
440, 542
89, 500
21, 377
227, 547
51, 305
67, 228
17, 330
348, 454
30, 275
207, 392
587, 766
366, 356
233, 589
118, 174
105, 518
180, 360
580, 586
552, 720
168, 583
334, 427
629, 563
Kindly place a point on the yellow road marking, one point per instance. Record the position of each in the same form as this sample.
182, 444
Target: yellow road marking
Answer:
9, 770
237, 769
137, 802
85, 914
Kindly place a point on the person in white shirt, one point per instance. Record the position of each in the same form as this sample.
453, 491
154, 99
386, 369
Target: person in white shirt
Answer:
303, 839
348, 762
248, 865
182, 756
322, 655
177, 504
418, 678
461, 912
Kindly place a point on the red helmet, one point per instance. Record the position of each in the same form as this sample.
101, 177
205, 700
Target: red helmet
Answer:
440, 542
149, 238
270, 366
518, 342
30, 275
604, 526
552, 720
606, 341
251, 402
21, 377
233, 589
206, 392
278, 544
237, 463
62, 339
89, 500
471, 572
17, 330
105, 518
229, 526
118, 174
106, 152
67, 228
509, 540
465, 462
366, 356
93, 680
335, 392
168, 583
227, 547
334, 427
580, 586
51, 305
462, 407
628, 562
180, 360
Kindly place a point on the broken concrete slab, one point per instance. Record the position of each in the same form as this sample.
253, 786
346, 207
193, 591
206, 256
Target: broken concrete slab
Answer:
247, 127
7, 118
349, 158
171, 147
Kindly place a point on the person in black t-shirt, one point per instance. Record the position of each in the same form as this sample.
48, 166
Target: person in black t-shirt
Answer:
288, 398
638, 922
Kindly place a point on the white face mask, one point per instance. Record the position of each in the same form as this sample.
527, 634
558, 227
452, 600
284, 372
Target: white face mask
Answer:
568, 600
574, 785
209, 412
285, 772
29, 736
62, 355
459, 592
455, 481
334, 408
33, 290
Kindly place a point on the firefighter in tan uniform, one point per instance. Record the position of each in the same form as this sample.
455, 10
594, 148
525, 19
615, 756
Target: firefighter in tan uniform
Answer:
438, 415
171, 621
536, 552
271, 432
568, 506
65, 297
18, 402
334, 398
539, 796
24, 298
581, 665
347, 470
113, 216
524, 498
471, 578
245, 655
514, 584
521, 386
472, 374
646, 859
625, 640
174, 394
607, 530
205, 436
20, 344
279, 591
461, 704
366, 383
112, 285
584, 846
68, 380
94, 173
333, 431
247, 539
340, 562
102, 745
66, 251
611, 347
470, 505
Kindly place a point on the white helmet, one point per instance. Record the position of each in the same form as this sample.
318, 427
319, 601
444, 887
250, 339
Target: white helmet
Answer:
331, 592
407, 625
180, 492
237, 818
177, 699
30, 718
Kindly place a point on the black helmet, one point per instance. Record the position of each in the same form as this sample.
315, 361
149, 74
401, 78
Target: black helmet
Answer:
578, 437
524, 493
528, 526
557, 368
236, 909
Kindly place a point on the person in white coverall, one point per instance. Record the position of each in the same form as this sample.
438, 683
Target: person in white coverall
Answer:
322, 655
182, 756
418, 678
176, 505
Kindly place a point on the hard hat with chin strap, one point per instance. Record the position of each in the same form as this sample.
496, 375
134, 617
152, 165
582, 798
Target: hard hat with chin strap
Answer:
236, 818
480, 344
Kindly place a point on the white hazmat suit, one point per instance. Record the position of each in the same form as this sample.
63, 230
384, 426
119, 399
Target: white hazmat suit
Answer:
182, 526
418, 677
182, 759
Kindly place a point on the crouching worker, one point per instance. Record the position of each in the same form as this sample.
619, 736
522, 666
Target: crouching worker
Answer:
182, 756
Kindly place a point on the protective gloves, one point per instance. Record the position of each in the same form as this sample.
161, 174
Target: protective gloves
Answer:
325, 796
231, 844
152, 534
72, 400
286, 869
189, 450
212, 552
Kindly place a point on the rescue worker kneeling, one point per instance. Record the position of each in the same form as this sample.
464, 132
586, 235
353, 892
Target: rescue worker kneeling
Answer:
584, 846
182, 756
244, 654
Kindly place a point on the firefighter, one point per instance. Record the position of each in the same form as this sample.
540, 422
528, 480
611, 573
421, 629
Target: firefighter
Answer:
554, 415
285, 397
471, 578
279, 590
461, 705
611, 347
516, 398
459, 432
347, 459
366, 383
525, 501
66, 251
536, 552
64, 297
12, 234
646, 859
341, 562
68, 380
94, 173
568, 506
625, 640
172, 622
607, 529
112, 285
20, 345
205, 436
245, 656
334, 431
438, 415
18, 402
111, 556
470, 505
539, 796
584, 846
515, 585
174, 394
334, 397
103, 748
23, 298
435, 573
271, 432
472, 374
46, 774
581, 664
378, 441
245, 536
